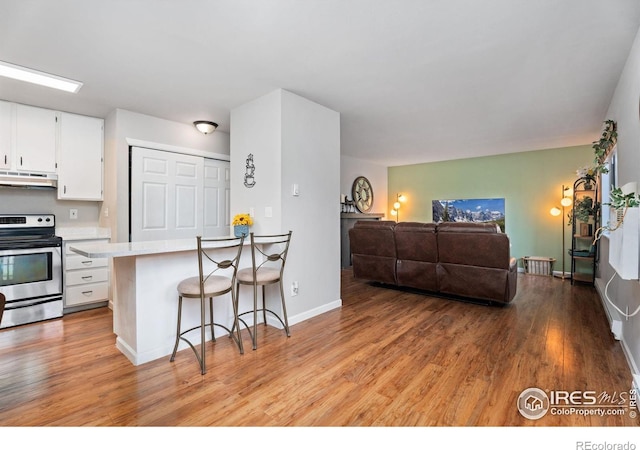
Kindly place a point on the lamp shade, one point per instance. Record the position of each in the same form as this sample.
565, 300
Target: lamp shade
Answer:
566, 201
555, 211
396, 205
205, 127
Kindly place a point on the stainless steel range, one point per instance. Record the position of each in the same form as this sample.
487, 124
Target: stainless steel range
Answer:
30, 268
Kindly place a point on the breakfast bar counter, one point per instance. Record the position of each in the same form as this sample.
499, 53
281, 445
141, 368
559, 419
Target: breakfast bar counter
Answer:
144, 280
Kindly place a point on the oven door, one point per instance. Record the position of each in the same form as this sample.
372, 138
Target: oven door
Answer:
31, 280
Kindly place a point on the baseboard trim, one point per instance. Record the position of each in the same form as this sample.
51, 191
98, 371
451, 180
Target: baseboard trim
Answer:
316, 311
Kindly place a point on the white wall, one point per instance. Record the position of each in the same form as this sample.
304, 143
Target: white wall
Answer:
351, 168
122, 125
624, 109
293, 140
40, 201
256, 129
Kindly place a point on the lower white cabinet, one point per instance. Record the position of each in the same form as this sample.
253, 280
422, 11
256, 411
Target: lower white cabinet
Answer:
86, 280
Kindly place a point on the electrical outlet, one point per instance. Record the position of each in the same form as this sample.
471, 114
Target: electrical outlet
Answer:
626, 313
294, 288
73, 214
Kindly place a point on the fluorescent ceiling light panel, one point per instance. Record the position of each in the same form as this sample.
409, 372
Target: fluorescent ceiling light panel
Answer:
37, 77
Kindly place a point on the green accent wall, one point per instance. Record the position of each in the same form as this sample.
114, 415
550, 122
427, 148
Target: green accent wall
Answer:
530, 182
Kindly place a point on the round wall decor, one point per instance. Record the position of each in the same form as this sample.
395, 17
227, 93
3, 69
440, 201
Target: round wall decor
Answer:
362, 194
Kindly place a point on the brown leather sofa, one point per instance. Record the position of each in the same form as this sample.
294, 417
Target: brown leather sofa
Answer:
459, 259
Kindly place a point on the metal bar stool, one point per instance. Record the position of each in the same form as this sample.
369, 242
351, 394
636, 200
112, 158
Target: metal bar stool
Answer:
272, 250
209, 284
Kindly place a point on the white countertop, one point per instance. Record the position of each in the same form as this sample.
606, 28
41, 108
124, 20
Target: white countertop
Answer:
83, 233
116, 249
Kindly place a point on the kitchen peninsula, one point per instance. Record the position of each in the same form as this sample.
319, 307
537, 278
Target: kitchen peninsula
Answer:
145, 277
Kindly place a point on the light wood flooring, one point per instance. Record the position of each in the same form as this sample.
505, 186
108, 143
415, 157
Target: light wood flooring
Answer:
386, 358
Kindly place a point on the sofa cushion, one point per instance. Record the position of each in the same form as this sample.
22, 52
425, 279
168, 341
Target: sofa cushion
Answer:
417, 251
473, 245
373, 250
468, 227
416, 241
476, 282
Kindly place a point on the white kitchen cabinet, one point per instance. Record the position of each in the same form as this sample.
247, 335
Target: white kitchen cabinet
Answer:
86, 280
80, 157
35, 139
5, 134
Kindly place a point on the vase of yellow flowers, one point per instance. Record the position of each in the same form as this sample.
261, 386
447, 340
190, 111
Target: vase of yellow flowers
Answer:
241, 224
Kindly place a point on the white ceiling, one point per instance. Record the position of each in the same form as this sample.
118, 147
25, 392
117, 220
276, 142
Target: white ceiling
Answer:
414, 80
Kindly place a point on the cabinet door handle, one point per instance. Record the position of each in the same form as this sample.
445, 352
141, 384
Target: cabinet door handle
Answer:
21, 160
87, 263
5, 159
88, 277
65, 188
87, 293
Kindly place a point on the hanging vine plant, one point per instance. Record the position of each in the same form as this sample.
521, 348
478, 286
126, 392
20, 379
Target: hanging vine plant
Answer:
620, 202
603, 146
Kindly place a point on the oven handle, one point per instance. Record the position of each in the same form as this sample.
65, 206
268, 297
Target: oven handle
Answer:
7, 251
17, 304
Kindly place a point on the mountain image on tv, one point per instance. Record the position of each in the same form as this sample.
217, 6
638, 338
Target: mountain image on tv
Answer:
480, 210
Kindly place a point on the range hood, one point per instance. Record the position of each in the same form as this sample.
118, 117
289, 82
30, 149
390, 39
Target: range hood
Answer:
28, 180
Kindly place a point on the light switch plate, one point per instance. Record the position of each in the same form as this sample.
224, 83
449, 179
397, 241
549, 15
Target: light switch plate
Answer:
268, 211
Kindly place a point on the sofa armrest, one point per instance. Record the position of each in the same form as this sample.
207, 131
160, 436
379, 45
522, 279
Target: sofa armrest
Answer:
513, 265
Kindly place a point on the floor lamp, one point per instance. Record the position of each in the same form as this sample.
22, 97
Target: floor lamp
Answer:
555, 211
396, 206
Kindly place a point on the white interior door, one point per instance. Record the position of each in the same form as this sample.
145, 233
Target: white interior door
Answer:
216, 198
166, 195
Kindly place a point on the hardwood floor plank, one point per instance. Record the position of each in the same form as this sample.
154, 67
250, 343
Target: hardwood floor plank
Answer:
387, 357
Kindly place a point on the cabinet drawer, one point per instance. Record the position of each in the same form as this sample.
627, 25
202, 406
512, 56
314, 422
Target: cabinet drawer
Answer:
80, 262
87, 293
86, 276
69, 244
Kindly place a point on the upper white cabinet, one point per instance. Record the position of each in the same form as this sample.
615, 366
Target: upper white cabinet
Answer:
5, 135
80, 157
35, 139
43, 141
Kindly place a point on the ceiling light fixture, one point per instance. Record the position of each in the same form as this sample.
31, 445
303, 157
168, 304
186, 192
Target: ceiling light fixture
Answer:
35, 76
205, 127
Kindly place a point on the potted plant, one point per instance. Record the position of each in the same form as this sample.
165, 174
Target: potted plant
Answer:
589, 173
241, 224
583, 209
620, 202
